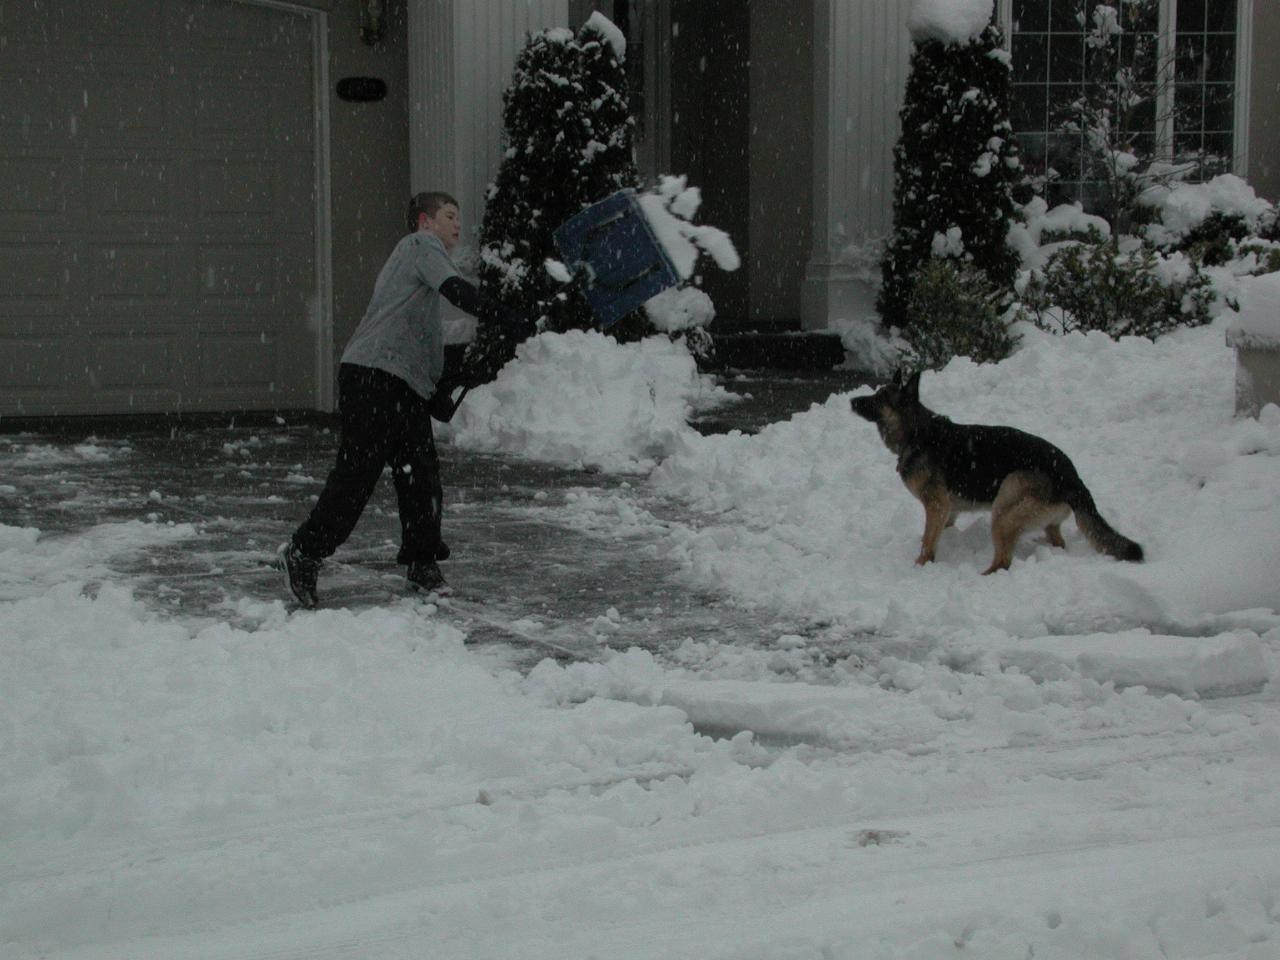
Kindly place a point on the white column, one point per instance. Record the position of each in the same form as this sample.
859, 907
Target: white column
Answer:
861, 54
461, 54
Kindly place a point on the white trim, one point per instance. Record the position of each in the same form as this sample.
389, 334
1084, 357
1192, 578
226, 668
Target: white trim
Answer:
322, 292
1166, 78
325, 399
1244, 88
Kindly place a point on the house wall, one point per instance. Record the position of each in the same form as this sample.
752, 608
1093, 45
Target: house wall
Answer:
710, 132
464, 53
369, 159
1264, 95
861, 59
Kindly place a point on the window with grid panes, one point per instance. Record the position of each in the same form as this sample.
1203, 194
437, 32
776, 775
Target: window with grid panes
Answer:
1204, 81
1188, 115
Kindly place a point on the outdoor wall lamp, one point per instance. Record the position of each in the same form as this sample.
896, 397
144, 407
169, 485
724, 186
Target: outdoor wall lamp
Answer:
373, 20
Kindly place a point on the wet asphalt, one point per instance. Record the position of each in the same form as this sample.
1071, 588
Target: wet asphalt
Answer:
528, 574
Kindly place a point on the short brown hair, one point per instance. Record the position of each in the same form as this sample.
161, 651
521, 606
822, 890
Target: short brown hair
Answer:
428, 203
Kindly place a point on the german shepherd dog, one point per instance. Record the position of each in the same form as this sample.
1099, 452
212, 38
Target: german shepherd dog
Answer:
1024, 480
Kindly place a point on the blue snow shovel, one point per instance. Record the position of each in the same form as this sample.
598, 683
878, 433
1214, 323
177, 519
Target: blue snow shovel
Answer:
610, 248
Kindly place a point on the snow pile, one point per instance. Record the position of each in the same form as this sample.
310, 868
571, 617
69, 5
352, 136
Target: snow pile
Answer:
912, 762
1184, 206
584, 398
1149, 425
31, 564
866, 345
680, 308
949, 21
1258, 323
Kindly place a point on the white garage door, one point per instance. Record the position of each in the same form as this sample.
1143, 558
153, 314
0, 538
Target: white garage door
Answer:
157, 207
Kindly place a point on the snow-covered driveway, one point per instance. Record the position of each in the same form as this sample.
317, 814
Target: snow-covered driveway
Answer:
786, 742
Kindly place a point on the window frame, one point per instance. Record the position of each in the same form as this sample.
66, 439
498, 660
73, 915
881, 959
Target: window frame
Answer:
1167, 40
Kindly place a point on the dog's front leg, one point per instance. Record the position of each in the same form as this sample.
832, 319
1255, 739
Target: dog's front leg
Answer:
937, 511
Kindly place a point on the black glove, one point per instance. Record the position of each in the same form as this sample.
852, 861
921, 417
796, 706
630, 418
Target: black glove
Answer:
443, 404
487, 310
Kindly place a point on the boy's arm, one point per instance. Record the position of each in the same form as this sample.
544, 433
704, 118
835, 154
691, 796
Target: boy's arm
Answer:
468, 299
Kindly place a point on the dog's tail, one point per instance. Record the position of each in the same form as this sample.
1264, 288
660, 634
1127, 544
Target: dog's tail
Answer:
1101, 535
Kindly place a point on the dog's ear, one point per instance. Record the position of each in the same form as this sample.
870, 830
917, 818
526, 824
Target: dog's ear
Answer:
911, 388
897, 377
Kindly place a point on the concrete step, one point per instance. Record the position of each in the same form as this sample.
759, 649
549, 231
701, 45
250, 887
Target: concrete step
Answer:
778, 350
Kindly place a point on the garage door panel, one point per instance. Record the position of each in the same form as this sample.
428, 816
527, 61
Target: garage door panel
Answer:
33, 185
138, 186
243, 359
42, 373
129, 104
37, 326
225, 109
240, 272
34, 271
135, 271
38, 107
41, 24
235, 188
116, 23
128, 361
157, 207
252, 112
217, 25
296, 198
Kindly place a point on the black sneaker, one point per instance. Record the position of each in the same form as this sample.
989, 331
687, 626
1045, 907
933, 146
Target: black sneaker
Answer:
442, 553
426, 578
300, 573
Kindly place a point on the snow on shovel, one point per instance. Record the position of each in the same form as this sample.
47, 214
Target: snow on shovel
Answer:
627, 248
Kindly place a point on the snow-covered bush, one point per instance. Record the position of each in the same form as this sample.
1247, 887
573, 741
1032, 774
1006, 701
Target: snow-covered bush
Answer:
955, 311
1214, 223
568, 137
1121, 290
956, 164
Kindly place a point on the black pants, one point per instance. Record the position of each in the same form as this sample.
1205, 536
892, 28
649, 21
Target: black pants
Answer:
384, 424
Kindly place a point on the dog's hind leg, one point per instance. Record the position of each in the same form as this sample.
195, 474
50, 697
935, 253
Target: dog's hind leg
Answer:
1022, 502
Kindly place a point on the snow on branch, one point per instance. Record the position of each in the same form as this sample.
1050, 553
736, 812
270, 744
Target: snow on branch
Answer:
950, 21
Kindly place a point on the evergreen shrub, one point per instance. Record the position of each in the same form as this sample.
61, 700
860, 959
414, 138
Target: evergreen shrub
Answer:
955, 311
568, 144
956, 167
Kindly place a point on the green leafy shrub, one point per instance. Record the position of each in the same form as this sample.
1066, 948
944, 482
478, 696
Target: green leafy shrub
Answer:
1265, 256
955, 310
1096, 286
1213, 242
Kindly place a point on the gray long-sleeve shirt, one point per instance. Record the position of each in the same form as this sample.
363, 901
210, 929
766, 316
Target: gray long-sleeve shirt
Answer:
403, 328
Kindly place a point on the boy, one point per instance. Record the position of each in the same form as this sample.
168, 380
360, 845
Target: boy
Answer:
389, 372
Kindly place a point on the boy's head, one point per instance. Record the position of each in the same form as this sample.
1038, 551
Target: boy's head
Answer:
436, 213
